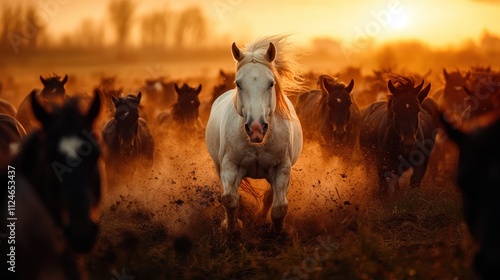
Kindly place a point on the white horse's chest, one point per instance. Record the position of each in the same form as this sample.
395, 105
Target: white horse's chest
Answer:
259, 162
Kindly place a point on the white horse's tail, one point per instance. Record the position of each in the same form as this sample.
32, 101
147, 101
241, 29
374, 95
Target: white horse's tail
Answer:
247, 187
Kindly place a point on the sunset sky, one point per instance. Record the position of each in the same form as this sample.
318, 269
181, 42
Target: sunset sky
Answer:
439, 23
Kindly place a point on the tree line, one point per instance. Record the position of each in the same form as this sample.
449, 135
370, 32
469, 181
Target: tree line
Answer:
25, 27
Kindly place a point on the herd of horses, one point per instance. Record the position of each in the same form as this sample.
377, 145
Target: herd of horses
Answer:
253, 128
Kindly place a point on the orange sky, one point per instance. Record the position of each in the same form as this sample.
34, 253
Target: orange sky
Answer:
436, 22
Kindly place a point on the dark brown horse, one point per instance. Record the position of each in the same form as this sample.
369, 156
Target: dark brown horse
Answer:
185, 113
478, 178
127, 138
399, 134
58, 188
53, 93
331, 116
452, 98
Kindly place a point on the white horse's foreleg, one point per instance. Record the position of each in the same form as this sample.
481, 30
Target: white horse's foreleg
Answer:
231, 180
280, 184
268, 201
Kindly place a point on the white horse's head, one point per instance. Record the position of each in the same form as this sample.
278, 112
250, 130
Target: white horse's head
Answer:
255, 98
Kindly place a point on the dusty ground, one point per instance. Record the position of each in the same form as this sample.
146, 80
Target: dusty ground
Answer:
165, 224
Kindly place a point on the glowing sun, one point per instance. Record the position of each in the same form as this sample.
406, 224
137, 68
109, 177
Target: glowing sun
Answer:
399, 21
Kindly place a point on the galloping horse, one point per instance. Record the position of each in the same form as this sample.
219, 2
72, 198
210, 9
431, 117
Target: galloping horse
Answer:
331, 116
53, 93
185, 113
399, 134
452, 97
253, 130
478, 178
127, 137
58, 190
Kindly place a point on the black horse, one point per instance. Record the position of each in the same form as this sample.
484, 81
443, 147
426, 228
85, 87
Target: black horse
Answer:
185, 113
452, 97
331, 116
399, 134
478, 178
127, 138
58, 188
53, 93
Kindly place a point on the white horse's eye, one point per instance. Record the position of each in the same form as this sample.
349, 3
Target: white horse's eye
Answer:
271, 84
238, 85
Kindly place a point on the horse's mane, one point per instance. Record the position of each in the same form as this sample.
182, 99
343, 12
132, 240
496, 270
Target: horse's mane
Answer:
54, 78
130, 98
402, 82
287, 71
335, 84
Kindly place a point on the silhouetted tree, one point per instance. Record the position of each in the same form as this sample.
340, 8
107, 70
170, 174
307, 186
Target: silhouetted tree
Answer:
191, 27
19, 26
121, 13
90, 34
154, 29
29, 18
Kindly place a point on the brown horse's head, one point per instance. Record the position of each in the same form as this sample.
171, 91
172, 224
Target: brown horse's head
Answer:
53, 86
127, 116
339, 103
188, 102
404, 107
454, 82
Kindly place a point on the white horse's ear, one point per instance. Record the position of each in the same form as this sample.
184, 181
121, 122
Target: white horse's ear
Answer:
237, 54
271, 52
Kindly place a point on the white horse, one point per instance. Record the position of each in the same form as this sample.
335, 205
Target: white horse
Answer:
253, 130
